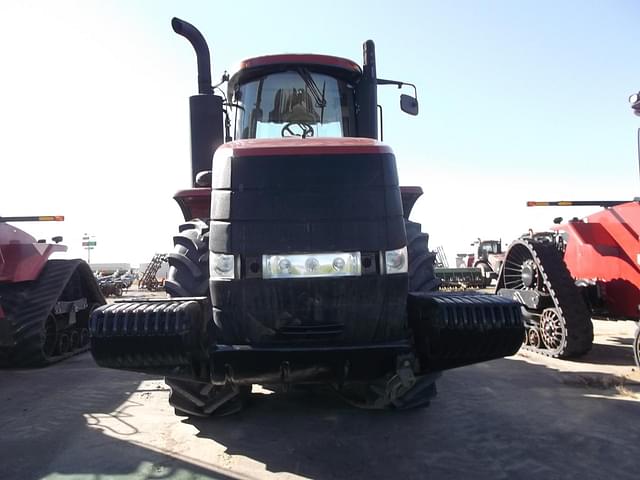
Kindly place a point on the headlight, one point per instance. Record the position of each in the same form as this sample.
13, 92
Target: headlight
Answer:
339, 264
222, 265
396, 261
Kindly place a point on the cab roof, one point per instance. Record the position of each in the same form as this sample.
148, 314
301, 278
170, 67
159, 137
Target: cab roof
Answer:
258, 66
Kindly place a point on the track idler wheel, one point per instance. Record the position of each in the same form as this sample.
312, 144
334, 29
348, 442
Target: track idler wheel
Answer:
75, 340
553, 330
533, 338
64, 344
49, 336
84, 337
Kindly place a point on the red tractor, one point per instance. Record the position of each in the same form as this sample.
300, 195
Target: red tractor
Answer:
586, 268
297, 263
44, 304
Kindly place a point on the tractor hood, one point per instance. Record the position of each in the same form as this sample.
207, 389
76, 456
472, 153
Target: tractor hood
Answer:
300, 146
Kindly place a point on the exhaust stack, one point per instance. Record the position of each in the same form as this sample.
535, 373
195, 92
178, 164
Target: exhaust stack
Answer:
206, 109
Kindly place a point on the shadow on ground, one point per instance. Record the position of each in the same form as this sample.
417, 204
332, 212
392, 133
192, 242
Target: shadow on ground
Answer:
503, 419
620, 354
46, 433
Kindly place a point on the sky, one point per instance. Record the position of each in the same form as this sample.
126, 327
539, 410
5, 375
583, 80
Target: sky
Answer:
519, 101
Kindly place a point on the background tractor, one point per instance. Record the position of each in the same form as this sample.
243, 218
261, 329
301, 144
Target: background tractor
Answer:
44, 304
297, 263
585, 268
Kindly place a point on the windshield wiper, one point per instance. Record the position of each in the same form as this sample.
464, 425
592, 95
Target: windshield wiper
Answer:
313, 88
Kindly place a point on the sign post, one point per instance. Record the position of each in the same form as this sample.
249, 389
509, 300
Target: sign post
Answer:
89, 243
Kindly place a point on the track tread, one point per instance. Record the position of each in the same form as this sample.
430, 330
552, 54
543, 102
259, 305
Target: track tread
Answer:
566, 298
31, 304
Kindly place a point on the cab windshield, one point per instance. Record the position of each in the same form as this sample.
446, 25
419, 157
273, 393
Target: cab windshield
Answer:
294, 103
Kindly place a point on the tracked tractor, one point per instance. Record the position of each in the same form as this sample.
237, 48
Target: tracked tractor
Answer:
297, 263
578, 270
44, 304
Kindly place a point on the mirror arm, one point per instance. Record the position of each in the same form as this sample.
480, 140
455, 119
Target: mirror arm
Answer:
382, 81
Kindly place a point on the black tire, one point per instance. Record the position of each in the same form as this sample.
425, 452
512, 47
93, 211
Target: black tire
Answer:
189, 263
373, 395
204, 399
189, 277
484, 269
422, 276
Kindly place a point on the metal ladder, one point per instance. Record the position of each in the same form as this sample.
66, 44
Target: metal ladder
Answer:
441, 258
149, 280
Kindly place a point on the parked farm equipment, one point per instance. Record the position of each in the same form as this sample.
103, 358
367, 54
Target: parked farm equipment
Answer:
116, 284
44, 304
582, 269
297, 263
149, 279
111, 286
473, 270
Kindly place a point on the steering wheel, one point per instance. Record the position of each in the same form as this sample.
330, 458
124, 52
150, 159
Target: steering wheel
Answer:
291, 130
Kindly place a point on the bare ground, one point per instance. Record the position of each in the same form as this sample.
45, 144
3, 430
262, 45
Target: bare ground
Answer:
521, 417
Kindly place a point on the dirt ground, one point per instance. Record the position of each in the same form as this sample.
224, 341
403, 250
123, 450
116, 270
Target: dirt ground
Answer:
523, 417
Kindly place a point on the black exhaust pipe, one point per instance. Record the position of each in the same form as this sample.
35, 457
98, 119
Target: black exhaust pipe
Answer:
367, 93
206, 109
201, 48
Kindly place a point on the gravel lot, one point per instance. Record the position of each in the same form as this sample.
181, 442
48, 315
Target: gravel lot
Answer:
521, 417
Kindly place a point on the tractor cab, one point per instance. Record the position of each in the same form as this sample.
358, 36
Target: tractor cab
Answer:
489, 247
294, 96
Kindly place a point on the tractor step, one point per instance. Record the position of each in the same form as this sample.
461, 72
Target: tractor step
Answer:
153, 336
452, 330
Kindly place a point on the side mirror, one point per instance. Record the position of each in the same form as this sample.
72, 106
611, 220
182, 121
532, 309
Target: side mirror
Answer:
57, 239
409, 104
557, 220
634, 100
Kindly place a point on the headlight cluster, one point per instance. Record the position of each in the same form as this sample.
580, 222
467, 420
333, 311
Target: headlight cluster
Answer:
395, 261
338, 264
222, 266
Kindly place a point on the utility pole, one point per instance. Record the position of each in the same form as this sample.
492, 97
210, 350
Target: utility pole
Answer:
89, 243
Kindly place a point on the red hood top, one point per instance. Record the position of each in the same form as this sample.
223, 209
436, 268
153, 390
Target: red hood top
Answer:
300, 59
260, 147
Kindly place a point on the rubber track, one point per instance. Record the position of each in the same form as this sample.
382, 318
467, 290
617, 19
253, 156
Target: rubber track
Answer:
456, 329
29, 307
566, 298
152, 337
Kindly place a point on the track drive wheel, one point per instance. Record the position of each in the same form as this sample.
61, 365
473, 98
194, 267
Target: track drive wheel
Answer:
562, 322
204, 399
189, 263
422, 276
